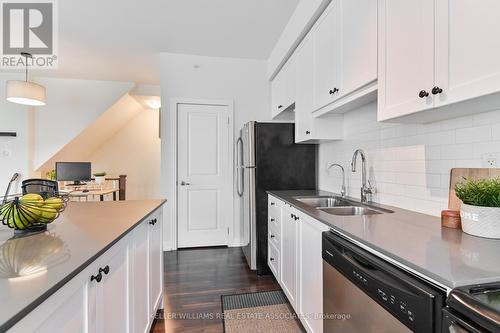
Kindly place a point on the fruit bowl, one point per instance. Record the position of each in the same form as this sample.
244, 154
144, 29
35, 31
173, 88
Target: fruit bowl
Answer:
31, 212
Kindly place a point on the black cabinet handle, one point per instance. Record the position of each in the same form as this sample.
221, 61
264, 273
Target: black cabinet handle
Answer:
272, 236
272, 203
271, 259
97, 277
280, 106
308, 132
423, 94
153, 221
296, 218
436, 90
272, 220
333, 91
104, 270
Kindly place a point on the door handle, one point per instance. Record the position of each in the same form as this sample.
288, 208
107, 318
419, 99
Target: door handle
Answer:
183, 183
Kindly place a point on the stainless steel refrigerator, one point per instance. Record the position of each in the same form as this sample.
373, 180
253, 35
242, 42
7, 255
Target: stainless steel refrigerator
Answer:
268, 159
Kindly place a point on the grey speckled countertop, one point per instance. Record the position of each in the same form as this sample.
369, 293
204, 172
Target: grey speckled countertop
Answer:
34, 267
415, 241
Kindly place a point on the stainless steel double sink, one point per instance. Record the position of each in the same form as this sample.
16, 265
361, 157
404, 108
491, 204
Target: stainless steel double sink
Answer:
340, 206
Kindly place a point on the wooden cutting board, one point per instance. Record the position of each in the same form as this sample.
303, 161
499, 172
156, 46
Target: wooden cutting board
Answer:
458, 174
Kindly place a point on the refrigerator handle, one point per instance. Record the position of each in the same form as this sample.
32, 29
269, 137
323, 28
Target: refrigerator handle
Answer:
239, 167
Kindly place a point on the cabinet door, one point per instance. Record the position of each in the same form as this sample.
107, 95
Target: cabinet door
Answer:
289, 84
326, 57
467, 49
112, 294
406, 57
140, 306
289, 255
63, 312
311, 273
277, 92
358, 44
155, 262
304, 102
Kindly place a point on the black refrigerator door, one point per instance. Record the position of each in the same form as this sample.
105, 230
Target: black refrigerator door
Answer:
280, 165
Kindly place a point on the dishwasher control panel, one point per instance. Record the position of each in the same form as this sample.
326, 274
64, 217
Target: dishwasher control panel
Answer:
410, 300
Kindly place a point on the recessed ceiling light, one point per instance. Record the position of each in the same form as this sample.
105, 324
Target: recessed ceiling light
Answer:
154, 103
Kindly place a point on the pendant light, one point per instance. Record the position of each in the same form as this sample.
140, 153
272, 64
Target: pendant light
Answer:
25, 92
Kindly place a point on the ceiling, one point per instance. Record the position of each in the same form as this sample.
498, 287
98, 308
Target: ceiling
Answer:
122, 39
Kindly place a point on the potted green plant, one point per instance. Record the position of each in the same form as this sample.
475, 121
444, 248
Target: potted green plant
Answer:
480, 210
99, 177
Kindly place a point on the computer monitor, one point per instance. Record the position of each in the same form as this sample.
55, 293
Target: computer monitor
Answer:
76, 172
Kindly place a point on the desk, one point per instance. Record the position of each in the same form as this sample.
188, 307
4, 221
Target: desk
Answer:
101, 193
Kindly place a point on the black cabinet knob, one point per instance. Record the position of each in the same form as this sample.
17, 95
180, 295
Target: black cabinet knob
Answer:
436, 90
333, 91
97, 277
296, 218
104, 270
423, 94
292, 216
272, 220
153, 221
280, 106
272, 236
272, 259
308, 132
272, 203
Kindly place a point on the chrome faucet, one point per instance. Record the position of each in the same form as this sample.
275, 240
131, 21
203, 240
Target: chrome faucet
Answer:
342, 190
366, 189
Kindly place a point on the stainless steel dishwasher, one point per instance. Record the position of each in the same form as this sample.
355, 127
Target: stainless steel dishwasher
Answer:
363, 293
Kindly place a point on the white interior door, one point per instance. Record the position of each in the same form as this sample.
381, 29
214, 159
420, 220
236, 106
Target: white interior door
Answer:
204, 175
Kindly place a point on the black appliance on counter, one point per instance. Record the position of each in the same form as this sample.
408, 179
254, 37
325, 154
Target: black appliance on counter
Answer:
269, 159
377, 296
473, 309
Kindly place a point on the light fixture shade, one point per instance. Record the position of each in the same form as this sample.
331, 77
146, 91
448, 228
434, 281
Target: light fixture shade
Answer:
26, 93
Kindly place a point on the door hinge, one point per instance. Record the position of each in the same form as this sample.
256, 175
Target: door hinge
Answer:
228, 230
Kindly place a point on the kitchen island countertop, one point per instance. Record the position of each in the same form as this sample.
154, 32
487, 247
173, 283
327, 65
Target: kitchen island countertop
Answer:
34, 267
415, 241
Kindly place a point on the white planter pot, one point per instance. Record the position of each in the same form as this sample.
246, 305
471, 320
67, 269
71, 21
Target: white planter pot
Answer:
100, 180
481, 221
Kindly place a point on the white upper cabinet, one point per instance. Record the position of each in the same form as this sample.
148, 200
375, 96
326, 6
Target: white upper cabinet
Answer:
304, 102
467, 49
406, 57
358, 44
326, 57
434, 55
283, 90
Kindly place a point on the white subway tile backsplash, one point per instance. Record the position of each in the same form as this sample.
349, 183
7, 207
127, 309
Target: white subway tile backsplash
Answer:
474, 134
496, 132
409, 164
457, 151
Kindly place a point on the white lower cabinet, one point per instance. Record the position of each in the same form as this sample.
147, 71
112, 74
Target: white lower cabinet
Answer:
289, 253
119, 292
109, 297
310, 271
300, 259
155, 263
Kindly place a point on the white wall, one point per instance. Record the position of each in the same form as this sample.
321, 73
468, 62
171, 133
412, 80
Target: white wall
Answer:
72, 105
133, 151
409, 164
197, 77
14, 151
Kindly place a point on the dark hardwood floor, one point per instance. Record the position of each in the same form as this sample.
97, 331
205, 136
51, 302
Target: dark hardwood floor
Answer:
195, 279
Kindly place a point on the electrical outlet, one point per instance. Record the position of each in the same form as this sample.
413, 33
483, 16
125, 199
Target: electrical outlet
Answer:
490, 160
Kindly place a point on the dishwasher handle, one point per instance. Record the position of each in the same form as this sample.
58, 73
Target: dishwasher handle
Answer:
359, 268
